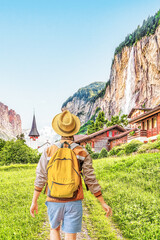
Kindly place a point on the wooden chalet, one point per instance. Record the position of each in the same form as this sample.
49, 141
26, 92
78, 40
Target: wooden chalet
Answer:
102, 138
146, 122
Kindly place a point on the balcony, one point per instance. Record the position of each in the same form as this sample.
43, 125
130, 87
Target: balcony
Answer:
138, 133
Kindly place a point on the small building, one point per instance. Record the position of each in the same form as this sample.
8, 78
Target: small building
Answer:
100, 139
147, 123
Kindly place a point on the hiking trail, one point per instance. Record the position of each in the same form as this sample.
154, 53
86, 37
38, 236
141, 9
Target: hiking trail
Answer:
83, 235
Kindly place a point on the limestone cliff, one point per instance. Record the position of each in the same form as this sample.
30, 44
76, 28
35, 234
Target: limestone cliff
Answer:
135, 77
10, 123
134, 80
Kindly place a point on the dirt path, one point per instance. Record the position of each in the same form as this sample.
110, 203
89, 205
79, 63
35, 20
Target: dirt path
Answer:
84, 235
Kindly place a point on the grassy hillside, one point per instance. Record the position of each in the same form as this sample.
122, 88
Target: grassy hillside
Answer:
130, 185
16, 191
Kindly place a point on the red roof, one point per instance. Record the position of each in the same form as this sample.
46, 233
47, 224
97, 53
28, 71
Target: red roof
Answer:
77, 137
87, 137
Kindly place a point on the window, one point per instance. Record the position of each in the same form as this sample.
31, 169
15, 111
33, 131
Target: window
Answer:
110, 133
150, 124
155, 122
145, 125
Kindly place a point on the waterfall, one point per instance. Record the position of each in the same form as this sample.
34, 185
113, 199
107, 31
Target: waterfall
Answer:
130, 84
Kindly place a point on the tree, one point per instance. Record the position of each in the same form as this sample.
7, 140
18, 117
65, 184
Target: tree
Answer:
18, 152
103, 153
21, 137
101, 119
88, 148
98, 124
122, 121
2, 143
91, 128
148, 28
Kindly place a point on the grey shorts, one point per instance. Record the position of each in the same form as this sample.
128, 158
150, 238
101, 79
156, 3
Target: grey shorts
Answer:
70, 213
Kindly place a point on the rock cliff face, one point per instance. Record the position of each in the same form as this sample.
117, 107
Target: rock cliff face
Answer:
10, 123
134, 80
135, 77
81, 103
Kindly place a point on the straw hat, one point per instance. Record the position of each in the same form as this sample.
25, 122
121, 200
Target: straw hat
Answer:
66, 124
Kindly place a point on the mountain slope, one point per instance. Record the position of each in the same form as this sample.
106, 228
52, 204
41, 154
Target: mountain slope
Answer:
82, 98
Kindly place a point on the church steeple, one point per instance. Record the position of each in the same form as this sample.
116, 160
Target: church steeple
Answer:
34, 134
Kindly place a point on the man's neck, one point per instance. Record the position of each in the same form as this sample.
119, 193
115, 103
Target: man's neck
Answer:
67, 138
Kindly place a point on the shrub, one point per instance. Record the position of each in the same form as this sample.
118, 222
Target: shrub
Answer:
132, 146
2, 143
88, 148
120, 153
148, 146
18, 152
155, 144
158, 137
112, 152
95, 155
115, 150
144, 147
132, 133
103, 153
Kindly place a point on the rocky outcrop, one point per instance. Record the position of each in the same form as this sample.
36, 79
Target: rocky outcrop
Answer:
10, 123
81, 103
134, 80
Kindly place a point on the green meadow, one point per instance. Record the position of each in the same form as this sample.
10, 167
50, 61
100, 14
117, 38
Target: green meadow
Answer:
16, 191
130, 185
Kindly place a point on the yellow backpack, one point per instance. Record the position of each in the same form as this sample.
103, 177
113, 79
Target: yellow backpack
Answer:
63, 173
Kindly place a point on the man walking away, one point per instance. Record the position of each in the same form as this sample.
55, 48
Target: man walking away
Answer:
58, 167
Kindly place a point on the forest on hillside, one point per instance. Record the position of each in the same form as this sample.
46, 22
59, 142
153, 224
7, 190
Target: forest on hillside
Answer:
148, 28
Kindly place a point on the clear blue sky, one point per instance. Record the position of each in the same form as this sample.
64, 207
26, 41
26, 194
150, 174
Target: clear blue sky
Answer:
49, 49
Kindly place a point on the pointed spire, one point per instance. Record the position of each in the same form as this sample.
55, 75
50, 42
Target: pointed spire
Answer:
34, 132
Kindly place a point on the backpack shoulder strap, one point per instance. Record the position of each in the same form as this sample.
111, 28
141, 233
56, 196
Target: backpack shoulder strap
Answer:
58, 144
74, 145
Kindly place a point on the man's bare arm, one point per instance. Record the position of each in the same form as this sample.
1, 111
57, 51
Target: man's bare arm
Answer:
34, 205
106, 208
